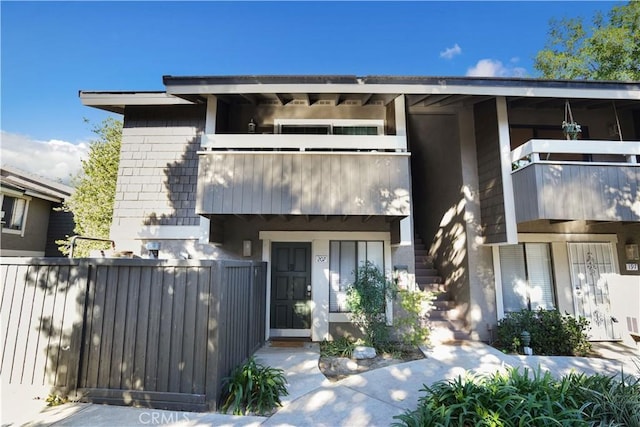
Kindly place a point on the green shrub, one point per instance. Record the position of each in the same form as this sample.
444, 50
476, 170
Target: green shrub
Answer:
56, 400
411, 324
342, 347
366, 299
254, 388
527, 399
552, 333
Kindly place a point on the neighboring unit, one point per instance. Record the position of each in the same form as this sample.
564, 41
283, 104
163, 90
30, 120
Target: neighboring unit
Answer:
467, 184
32, 219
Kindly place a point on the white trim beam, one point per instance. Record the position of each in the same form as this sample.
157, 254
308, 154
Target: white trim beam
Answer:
511, 226
560, 146
528, 91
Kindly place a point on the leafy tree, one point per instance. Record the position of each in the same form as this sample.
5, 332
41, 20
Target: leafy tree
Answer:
93, 200
607, 50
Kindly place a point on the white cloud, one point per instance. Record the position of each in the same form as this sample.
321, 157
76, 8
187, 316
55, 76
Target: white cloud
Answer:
53, 159
494, 68
450, 52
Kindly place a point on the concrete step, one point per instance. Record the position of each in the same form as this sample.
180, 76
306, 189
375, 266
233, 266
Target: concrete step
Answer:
443, 331
426, 272
427, 279
451, 313
431, 287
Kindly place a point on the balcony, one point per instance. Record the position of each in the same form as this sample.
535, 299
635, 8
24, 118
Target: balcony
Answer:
304, 142
305, 183
576, 180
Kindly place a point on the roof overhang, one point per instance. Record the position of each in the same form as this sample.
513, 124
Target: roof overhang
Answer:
230, 85
29, 184
115, 102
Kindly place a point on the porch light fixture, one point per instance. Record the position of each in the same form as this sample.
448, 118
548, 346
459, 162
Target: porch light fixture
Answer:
251, 127
631, 250
246, 248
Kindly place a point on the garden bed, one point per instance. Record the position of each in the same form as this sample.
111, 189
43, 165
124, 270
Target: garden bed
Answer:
336, 368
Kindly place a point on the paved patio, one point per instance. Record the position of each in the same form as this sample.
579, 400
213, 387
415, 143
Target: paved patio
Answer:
372, 398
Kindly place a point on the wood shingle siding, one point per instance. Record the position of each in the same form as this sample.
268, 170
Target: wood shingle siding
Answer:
577, 192
283, 183
158, 166
492, 209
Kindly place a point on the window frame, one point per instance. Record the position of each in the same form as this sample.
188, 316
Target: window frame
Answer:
330, 123
17, 196
358, 260
527, 279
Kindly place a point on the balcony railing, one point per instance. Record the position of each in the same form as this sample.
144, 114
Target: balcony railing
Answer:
576, 180
304, 142
544, 151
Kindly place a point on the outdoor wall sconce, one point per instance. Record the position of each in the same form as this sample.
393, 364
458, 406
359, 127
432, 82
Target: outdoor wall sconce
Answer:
153, 248
631, 250
246, 248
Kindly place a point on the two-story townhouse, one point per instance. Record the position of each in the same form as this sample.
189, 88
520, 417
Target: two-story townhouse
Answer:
32, 215
316, 174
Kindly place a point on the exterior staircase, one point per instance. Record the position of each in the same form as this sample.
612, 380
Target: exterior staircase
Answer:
444, 317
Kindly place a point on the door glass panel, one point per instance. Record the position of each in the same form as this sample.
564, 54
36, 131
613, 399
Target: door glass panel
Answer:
590, 262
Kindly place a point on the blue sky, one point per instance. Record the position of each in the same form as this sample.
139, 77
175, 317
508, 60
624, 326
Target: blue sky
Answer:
51, 50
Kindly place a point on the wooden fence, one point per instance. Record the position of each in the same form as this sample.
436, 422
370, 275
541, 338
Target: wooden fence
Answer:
152, 333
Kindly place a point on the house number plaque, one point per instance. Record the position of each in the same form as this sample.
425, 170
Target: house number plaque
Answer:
321, 259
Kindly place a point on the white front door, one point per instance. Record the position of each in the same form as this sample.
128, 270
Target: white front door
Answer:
589, 262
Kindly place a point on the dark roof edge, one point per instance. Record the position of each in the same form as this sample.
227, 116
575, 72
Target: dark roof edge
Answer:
124, 92
404, 80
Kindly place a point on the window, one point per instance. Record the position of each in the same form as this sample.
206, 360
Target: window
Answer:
344, 257
304, 130
14, 213
355, 130
329, 126
527, 280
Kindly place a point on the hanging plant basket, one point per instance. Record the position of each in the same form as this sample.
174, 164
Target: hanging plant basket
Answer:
570, 128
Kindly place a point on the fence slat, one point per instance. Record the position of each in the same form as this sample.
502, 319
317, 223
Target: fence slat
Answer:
142, 329
130, 331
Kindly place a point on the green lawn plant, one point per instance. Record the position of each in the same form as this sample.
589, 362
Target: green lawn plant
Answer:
253, 388
366, 299
552, 333
516, 398
341, 347
411, 324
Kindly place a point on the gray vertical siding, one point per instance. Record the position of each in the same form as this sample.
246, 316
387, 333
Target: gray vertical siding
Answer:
41, 312
61, 225
153, 333
576, 192
303, 184
492, 209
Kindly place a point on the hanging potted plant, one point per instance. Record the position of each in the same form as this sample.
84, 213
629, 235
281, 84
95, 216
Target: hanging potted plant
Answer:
570, 128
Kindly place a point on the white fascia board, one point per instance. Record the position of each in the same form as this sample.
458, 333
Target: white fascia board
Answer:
94, 99
523, 91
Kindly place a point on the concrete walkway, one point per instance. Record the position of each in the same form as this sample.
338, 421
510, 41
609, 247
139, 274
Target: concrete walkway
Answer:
369, 399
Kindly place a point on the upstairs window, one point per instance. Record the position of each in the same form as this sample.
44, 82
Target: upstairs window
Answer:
14, 213
304, 130
369, 127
